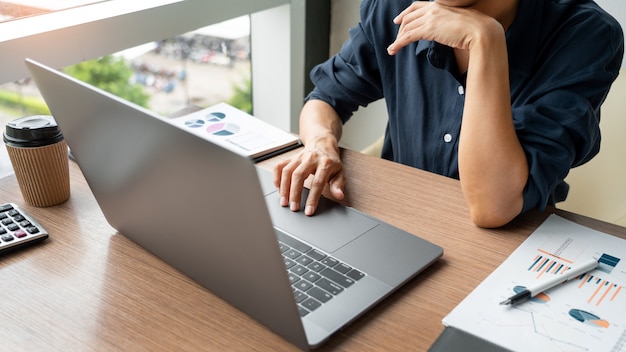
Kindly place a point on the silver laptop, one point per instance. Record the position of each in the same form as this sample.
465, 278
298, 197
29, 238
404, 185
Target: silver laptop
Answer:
215, 216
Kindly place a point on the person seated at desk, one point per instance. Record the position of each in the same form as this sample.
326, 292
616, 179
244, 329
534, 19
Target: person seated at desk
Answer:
504, 95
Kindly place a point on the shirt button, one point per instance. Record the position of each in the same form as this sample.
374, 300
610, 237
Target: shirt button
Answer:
461, 90
447, 138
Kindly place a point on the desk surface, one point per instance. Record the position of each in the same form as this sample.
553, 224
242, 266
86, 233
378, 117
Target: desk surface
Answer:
89, 288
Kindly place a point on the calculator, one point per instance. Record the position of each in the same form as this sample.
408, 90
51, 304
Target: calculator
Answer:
18, 228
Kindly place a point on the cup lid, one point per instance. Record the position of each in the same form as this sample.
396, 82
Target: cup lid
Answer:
32, 131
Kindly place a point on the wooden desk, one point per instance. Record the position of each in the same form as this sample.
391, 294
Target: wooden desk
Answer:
90, 289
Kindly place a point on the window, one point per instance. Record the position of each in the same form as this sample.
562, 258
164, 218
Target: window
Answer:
63, 38
200, 67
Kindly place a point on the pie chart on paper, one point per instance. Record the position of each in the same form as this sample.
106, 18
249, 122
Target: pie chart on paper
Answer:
223, 129
195, 123
588, 318
215, 116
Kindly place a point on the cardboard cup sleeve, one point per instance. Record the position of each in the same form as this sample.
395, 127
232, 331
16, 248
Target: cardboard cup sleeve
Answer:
42, 173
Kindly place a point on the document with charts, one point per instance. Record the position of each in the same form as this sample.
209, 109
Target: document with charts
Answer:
237, 130
587, 313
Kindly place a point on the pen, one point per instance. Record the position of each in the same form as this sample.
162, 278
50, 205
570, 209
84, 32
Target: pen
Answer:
552, 282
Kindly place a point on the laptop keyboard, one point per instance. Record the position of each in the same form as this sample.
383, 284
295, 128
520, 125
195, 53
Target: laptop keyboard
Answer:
315, 276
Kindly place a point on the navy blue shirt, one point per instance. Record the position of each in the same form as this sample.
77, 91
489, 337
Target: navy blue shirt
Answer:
563, 57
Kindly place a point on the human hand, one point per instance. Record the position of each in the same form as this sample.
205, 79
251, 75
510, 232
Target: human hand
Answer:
325, 166
453, 26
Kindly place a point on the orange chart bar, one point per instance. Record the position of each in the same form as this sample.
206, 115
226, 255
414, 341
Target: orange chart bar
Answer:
604, 289
542, 265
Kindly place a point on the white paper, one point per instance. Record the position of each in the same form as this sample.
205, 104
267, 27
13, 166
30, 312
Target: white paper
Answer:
236, 130
585, 314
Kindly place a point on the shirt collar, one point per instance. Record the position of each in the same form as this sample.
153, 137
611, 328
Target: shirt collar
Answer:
438, 55
421, 46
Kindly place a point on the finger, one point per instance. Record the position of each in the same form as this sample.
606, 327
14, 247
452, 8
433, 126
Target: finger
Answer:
408, 32
315, 192
285, 183
414, 6
277, 173
298, 176
337, 186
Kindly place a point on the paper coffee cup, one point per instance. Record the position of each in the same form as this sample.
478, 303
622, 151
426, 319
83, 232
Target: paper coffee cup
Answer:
39, 156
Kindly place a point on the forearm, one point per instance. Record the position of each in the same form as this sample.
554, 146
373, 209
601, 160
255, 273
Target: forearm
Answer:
492, 165
320, 126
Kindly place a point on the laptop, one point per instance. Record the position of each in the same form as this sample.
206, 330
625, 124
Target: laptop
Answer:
215, 216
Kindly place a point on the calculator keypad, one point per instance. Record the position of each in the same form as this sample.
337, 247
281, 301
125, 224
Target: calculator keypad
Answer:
17, 227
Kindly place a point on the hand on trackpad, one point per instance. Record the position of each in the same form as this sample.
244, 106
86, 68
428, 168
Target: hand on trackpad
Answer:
332, 226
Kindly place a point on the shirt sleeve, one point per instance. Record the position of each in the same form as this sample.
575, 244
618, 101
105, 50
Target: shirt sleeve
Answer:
558, 121
351, 78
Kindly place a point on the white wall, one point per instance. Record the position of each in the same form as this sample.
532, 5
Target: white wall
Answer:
277, 42
267, 28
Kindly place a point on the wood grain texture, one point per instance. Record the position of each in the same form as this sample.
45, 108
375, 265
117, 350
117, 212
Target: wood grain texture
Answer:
88, 288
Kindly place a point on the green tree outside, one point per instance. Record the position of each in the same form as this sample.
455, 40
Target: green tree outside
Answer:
242, 96
111, 74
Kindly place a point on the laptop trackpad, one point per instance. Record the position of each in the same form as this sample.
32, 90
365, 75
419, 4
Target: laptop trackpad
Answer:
332, 226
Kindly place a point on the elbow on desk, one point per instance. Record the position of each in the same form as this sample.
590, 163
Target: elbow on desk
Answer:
489, 216
490, 221
495, 206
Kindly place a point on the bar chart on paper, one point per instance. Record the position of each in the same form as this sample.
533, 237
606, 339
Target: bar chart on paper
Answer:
601, 290
597, 288
586, 313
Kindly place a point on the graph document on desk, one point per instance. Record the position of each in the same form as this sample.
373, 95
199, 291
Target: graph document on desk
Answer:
587, 313
237, 130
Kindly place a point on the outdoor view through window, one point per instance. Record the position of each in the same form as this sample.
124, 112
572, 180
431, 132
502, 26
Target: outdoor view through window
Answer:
202, 67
